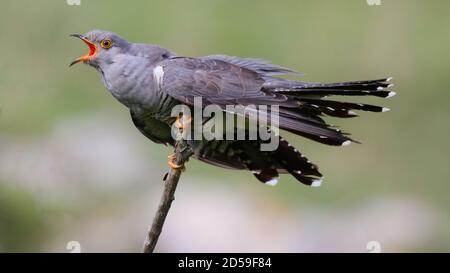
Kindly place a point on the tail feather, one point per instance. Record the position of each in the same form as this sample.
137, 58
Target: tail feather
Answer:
267, 165
341, 92
322, 133
305, 120
297, 164
340, 109
355, 88
303, 116
285, 159
267, 176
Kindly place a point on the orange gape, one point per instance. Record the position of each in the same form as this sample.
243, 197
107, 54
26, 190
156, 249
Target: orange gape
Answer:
93, 50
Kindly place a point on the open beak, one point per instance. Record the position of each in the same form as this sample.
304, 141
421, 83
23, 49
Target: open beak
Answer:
92, 50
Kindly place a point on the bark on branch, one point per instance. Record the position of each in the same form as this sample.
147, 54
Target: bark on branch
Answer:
182, 153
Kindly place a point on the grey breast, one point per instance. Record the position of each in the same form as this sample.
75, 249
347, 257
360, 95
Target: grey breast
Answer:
131, 80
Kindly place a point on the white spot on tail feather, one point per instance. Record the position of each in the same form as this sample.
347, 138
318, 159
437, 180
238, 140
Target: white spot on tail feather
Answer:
391, 94
272, 182
346, 143
317, 183
158, 74
385, 109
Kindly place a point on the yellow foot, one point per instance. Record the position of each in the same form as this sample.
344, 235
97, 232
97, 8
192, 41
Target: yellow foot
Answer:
183, 122
172, 164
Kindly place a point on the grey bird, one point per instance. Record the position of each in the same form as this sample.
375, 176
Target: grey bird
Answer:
150, 80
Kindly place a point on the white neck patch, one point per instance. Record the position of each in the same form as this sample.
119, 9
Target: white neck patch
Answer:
158, 74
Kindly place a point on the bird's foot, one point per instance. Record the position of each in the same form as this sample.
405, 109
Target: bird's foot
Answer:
173, 165
183, 122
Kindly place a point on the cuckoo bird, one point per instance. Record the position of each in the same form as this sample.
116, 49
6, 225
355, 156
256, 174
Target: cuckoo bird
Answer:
150, 80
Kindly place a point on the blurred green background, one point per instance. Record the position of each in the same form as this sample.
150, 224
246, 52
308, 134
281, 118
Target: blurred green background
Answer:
73, 167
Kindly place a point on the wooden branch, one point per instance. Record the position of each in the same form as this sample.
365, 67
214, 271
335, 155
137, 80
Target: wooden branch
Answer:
182, 153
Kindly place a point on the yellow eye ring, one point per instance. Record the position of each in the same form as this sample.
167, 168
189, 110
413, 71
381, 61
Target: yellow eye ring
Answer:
106, 43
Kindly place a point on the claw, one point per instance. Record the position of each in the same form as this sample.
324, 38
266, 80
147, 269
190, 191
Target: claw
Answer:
172, 164
183, 122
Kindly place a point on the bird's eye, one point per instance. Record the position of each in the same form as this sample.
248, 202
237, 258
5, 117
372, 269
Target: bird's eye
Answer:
106, 43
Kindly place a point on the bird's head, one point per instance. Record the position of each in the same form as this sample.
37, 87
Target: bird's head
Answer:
103, 46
